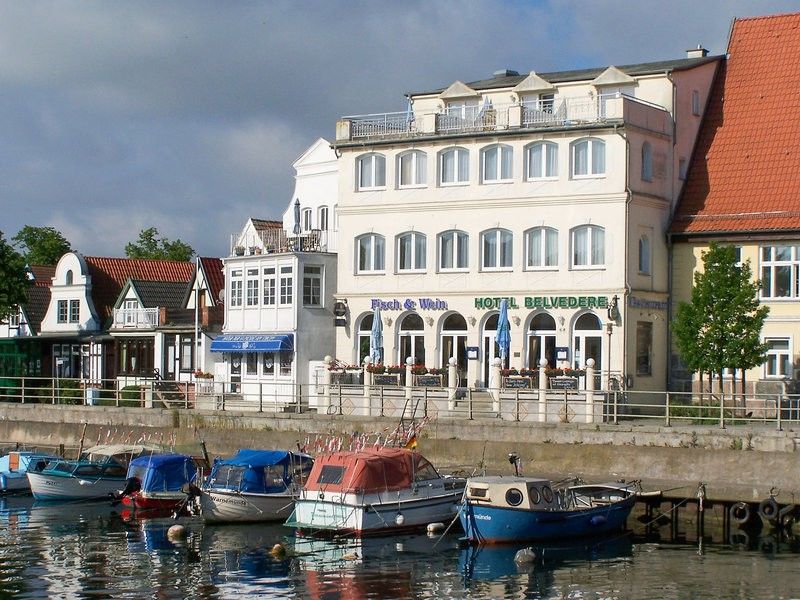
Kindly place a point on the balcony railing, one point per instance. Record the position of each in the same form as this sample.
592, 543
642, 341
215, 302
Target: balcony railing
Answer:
136, 318
564, 112
273, 241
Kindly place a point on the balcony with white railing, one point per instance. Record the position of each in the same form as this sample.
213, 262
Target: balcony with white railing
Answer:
275, 241
135, 318
572, 112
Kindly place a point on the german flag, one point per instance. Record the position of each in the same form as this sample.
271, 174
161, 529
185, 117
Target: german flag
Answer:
411, 443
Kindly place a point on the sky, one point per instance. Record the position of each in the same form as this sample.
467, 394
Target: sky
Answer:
187, 115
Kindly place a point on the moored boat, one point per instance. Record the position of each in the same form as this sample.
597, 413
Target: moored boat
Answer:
253, 485
14, 467
99, 473
155, 482
500, 509
374, 491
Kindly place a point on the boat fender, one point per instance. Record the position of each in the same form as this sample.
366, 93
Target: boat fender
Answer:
350, 556
740, 513
321, 496
435, 527
525, 556
176, 532
399, 519
278, 551
768, 509
3, 482
597, 520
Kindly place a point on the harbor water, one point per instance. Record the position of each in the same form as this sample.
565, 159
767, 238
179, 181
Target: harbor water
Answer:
99, 551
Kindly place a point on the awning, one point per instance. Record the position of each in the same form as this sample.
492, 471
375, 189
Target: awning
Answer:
253, 342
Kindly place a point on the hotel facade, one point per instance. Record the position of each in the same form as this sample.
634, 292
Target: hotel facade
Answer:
553, 191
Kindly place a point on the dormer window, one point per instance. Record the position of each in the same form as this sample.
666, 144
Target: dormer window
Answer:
68, 277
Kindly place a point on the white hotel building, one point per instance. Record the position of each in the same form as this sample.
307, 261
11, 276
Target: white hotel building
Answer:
552, 190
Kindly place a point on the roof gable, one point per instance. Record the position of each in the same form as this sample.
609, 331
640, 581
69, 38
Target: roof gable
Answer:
612, 76
458, 90
744, 176
533, 83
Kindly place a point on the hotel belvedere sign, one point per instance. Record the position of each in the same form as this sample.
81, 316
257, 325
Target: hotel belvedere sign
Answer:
489, 303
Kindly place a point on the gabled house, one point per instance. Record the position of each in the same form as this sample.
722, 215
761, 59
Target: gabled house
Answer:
743, 188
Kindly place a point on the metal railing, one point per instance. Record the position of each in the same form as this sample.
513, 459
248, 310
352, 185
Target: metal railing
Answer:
383, 125
142, 318
669, 409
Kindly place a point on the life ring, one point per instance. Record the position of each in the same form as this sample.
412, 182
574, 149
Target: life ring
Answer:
740, 513
768, 509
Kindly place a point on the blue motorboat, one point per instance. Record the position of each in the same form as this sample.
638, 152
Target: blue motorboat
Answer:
14, 467
498, 509
156, 482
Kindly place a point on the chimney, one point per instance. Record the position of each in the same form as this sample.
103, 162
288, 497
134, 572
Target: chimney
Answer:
698, 52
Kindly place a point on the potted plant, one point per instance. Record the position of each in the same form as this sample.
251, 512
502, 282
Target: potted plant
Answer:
395, 369
419, 370
376, 369
238, 250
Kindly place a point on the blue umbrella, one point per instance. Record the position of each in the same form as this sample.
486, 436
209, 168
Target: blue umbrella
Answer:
503, 335
376, 337
297, 217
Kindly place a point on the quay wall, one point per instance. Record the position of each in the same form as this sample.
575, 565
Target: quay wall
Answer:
735, 463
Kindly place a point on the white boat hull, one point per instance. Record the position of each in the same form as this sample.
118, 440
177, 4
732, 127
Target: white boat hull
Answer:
235, 507
53, 487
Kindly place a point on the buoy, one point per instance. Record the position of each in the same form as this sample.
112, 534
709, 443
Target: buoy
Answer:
435, 527
278, 551
525, 556
176, 532
399, 519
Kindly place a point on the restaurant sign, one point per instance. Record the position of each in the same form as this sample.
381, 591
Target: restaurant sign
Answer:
409, 304
489, 303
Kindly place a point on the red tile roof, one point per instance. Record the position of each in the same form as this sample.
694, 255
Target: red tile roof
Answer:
39, 295
745, 173
215, 277
110, 274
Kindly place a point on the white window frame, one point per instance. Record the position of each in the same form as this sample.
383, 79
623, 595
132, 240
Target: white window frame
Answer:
375, 246
252, 294
545, 233
460, 239
286, 288
593, 146
322, 218
419, 169
418, 255
367, 165
62, 311
592, 263
769, 267
647, 162
236, 288
269, 292
306, 219
460, 178
502, 155
548, 168
773, 357
313, 285
503, 260
130, 308
645, 255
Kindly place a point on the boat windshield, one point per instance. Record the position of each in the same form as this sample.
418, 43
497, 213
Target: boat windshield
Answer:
425, 471
60, 465
137, 471
227, 476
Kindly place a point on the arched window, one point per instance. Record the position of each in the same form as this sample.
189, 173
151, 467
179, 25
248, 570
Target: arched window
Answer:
647, 162
496, 249
68, 277
370, 253
412, 169
541, 248
322, 218
411, 249
453, 344
588, 246
453, 166
587, 342
588, 157
371, 173
364, 333
644, 255
496, 163
412, 339
541, 160
542, 340
453, 251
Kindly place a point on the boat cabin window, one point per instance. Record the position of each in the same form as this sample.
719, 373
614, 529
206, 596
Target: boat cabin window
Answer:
514, 497
228, 476
301, 472
478, 492
547, 494
536, 497
139, 472
331, 474
114, 471
62, 466
425, 471
87, 471
273, 476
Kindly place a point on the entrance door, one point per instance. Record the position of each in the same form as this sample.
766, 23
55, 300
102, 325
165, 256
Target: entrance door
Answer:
454, 343
168, 365
542, 341
490, 348
588, 342
412, 340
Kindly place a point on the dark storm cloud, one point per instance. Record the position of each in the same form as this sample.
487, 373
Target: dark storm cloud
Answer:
187, 115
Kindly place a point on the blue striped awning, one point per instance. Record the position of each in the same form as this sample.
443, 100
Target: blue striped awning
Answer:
253, 342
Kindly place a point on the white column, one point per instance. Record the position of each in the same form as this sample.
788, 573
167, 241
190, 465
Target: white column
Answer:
326, 383
452, 383
365, 405
494, 384
590, 390
543, 390
409, 383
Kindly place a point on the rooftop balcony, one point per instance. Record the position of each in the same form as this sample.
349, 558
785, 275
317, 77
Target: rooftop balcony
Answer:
276, 241
135, 318
574, 112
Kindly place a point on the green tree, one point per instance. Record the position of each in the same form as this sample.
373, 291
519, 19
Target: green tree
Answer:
151, 245
720, 327
41, 245
14, 280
